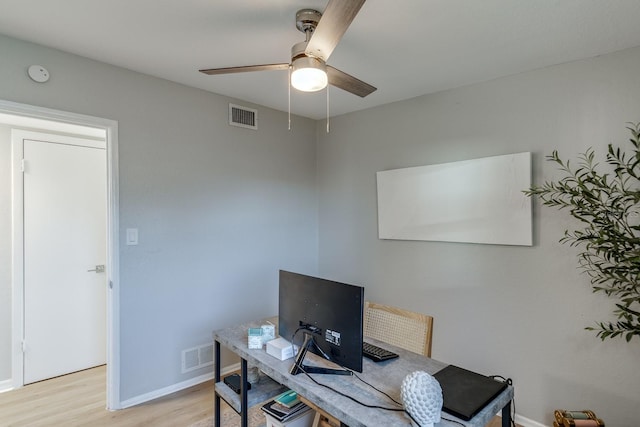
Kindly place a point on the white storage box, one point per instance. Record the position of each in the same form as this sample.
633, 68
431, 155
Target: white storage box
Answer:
281, 349
304, 420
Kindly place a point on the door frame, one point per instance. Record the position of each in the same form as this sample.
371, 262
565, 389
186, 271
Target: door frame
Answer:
63, 118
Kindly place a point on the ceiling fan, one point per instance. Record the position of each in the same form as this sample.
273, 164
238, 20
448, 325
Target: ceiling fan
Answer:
309, 69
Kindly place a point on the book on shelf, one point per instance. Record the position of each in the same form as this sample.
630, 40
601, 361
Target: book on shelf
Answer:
289, 398
283, 413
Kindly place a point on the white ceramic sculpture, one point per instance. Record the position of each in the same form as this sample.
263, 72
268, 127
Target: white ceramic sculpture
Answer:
422, 397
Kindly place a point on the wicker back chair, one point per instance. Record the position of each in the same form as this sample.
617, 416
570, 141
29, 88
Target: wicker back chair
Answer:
402, 328
406, 329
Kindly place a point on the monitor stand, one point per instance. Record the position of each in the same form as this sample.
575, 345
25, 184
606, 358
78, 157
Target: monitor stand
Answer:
299, 365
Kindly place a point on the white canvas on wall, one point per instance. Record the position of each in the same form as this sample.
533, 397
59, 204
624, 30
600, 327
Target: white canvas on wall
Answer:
472, 201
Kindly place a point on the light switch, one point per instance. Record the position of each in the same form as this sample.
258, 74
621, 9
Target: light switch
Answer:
132, 236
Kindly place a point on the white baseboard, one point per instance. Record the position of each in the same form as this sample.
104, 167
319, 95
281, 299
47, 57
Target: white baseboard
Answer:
527, 422
143, 398
6, 385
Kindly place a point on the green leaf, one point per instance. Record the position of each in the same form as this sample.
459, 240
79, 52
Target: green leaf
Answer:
608, 208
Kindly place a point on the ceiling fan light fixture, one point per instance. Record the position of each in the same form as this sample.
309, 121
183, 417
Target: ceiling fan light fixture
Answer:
308, 74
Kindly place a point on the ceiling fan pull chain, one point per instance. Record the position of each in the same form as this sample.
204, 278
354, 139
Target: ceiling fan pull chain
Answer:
289, 87
327, 108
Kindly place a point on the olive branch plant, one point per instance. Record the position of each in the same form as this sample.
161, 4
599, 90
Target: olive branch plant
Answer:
608, 206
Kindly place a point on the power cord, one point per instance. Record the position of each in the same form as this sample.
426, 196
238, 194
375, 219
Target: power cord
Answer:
452, 421
390, 398
398, 403
378, 390
509, 381
402, 409
325, 355
499, 378
366, 405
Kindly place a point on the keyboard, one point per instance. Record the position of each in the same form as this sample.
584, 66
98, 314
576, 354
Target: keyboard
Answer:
375, 353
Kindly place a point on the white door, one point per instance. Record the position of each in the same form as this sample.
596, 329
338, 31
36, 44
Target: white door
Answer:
64, 237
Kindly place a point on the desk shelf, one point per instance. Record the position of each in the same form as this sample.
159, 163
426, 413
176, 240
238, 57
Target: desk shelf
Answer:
265, 389
261, 391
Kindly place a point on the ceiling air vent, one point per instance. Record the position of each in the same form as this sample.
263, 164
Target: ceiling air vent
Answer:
243, 117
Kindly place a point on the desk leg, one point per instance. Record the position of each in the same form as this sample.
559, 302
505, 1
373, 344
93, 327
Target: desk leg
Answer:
506, 415
216, 373
244, 410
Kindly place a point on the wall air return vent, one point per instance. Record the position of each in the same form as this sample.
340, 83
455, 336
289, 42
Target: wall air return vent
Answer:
243, 117
197, 357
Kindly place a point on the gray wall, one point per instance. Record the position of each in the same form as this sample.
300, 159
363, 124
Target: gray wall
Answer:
513, 311
219, 209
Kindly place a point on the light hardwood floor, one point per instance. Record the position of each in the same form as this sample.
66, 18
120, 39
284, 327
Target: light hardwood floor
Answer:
79, 399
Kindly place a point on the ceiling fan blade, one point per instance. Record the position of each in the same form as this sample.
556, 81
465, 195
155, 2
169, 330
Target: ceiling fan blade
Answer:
245, 68
334, 23
349, 83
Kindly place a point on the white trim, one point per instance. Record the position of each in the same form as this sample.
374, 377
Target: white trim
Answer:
33, 123
113, 261
527, 422
113, 270
143, 398
44, 135
6, 385
524, 421
17, 262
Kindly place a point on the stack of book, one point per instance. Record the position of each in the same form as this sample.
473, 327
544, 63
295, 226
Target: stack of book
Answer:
285, 406
585, 418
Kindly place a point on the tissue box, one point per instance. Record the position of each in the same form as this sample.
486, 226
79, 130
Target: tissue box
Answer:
281, 349
254, 338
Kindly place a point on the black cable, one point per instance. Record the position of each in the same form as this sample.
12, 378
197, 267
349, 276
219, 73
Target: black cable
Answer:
403, 409
293, 337
312, 342
453, 421
366, 405
509, 381
378, 390
345, 369
412, 419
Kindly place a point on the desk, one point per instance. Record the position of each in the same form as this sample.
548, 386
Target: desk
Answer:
386, 376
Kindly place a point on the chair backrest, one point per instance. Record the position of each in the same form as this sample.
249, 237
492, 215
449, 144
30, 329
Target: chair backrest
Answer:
406, 329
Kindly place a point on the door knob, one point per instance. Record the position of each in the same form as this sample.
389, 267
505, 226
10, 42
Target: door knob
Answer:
98, 269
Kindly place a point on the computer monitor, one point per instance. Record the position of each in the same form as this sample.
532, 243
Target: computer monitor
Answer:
322, 316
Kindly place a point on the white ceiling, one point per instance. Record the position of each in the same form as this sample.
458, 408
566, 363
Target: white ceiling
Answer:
405, 48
